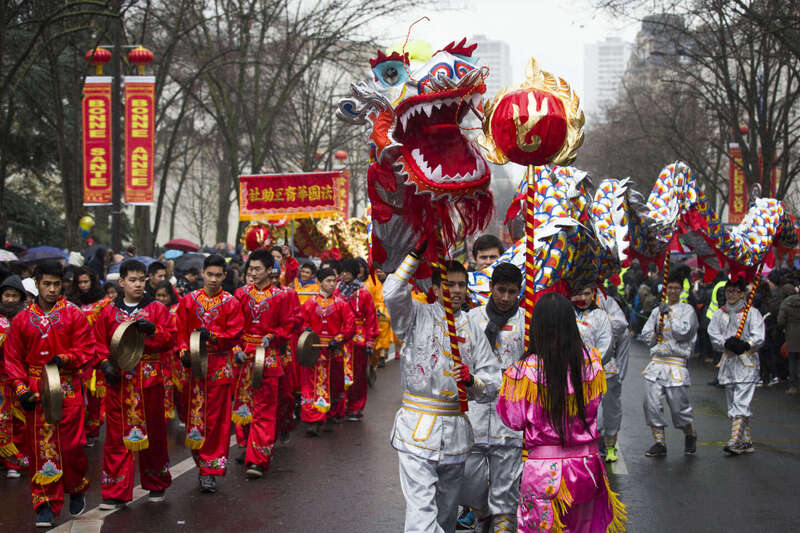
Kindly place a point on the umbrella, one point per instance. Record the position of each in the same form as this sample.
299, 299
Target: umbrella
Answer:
141, 258
172, 254
187, 261
89, 252
5, 255
42, 253
182, 244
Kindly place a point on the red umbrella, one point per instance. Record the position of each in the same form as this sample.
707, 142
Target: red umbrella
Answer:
183, 245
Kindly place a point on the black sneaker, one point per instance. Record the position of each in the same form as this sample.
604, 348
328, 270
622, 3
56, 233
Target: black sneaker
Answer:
746, 447
77, 504
254, 472
656, 450
313, 429
284, 437
208, 484
240, 459
44, 516
690, 444
112, 504
91, 441
156, 496
732, 449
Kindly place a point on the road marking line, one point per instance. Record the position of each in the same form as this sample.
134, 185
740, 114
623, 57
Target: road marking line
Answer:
92, 521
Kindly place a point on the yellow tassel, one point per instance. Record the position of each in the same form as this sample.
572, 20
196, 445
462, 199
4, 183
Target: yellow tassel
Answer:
170, 413
9, 450
136, 445
19, 414
561, 504
240, 420
524, 388
41, 479
93, 383
194, 444
617, 525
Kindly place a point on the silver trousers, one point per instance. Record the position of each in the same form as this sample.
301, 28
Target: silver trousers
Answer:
609, 416
677, 399
431, 492
739, 396
491, 482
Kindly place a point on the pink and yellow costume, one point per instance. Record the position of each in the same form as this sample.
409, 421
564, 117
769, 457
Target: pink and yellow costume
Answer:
563, 488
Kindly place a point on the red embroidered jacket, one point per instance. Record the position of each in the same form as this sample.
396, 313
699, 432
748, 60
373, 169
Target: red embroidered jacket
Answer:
35, 337
366, 319
330, 318
163, 340
220, 314
271, 312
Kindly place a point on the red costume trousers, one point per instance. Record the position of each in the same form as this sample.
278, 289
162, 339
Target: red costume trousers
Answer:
21, 460
264, 427
338, 400
286, 403
118, 461
68, 442
357, 393
95, 406
316, 390
212, 458
240, 430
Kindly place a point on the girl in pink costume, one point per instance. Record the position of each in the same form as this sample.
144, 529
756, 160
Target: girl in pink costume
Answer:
564, 484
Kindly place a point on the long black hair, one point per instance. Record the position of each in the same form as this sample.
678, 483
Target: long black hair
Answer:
555, 339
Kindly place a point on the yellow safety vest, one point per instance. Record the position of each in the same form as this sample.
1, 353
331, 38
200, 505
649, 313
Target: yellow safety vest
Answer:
713, 305
687, 286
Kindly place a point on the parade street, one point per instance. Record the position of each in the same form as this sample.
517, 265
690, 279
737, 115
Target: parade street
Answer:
347, 481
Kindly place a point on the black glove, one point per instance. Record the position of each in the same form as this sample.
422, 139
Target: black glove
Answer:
369, 352
736, 345
419, 250
186, 360
56, 360
145, 326
308, 329
28, 401
333, 344
110, 371
205, 335
240, 357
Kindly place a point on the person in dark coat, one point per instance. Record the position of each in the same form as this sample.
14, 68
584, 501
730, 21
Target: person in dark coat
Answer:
789, 323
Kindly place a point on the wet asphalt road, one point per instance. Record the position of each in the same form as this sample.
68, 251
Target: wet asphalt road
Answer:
347, 481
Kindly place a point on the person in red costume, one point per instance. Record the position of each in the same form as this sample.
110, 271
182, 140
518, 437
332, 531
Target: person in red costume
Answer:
289, 266
217, 315
13, 448
174, 375
135, 399
52, 330
88, 294
332, 319
359, 349
269, 319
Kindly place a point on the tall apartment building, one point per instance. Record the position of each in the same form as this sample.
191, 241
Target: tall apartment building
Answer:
604, 64
497, 56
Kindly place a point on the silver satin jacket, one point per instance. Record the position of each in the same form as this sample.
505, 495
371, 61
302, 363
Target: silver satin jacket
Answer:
743, 368
428, 423
595, 329
619, 327
668, 363
486, 423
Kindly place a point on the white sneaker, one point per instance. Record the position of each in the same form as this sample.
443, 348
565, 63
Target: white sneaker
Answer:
13, 474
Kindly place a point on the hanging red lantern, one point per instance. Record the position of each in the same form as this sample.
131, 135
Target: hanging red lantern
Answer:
98, 57
141, 57
341, 155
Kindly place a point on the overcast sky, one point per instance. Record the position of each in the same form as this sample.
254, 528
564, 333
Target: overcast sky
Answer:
552, 31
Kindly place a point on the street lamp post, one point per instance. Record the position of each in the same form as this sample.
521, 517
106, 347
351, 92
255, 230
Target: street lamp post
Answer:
116, 115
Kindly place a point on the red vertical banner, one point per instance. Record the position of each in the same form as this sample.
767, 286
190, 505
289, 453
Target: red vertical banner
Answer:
737, 189
96, 118
139, 139
343, 182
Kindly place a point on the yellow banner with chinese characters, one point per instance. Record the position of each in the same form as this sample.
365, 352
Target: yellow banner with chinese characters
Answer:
288, 196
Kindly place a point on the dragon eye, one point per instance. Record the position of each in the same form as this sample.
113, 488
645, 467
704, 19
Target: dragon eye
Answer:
390, 73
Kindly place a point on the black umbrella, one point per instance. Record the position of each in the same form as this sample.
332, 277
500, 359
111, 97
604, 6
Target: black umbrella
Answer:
89, 252
187, 261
